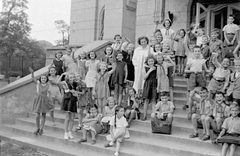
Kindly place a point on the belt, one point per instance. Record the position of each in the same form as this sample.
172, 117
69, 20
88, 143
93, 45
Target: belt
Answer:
218, 80
230, 34
197, 73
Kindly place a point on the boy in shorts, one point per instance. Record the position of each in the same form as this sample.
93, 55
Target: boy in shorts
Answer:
230, 127
164, 109
220, 112
196, 67
204, 109
220, 77
230, 32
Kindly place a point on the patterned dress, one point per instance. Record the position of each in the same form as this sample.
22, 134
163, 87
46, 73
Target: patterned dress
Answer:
102, 88
42, 102
69, 100
81, 68
90, 78
55, 90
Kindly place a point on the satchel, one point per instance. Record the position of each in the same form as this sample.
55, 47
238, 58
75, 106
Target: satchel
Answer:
230, 139
162, 127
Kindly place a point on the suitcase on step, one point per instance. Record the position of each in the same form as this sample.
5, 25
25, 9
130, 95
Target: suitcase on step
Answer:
230, 139
162, 127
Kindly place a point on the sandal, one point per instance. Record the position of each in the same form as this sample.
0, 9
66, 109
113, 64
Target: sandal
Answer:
206, 137
194, 135
40, 132
78, 128
36, 132
82, 140
93, 142
107, 145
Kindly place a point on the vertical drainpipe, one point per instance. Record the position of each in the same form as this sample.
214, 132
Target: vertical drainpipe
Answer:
96, 20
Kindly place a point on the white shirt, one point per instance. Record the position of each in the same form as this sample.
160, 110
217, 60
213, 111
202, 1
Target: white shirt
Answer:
231, 28
120, 123
196, 65
199, 40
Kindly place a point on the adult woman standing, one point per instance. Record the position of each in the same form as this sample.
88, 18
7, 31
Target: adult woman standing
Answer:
139, 57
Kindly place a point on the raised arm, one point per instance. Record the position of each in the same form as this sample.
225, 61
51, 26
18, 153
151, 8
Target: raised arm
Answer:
126, 73
32, 73
215, 60
235, 52
73, 54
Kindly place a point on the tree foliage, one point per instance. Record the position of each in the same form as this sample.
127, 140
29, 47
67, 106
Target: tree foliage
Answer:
64, 29
14, 35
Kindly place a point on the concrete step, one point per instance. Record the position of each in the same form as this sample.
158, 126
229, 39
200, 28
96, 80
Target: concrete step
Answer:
97, 149
144, 141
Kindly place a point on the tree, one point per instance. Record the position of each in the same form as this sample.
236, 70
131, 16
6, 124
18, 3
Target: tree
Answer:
14, 29
64, 29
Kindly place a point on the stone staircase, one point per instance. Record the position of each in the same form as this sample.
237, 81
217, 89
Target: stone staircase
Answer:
141, 143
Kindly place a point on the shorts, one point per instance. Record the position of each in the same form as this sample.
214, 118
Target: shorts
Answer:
170, 72
230, 98
196, 80
215, 85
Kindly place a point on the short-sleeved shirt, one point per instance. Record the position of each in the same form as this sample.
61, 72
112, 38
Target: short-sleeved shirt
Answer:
196, 65
215, 45
232, 125
206, 107
221, 111
231, 28
120, 123
163, 107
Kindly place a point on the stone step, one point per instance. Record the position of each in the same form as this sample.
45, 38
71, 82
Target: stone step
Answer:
56, 138
140, 142
137, 129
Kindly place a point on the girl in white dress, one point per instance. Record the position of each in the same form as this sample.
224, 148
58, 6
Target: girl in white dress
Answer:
92, 67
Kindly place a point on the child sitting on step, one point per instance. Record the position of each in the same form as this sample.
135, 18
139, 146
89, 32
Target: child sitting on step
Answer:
164, 109
220, 112
118, 130
108, 113
230, 128
203, 110
92, 124
132, 106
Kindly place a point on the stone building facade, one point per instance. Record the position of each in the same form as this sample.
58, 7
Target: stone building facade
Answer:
102, 19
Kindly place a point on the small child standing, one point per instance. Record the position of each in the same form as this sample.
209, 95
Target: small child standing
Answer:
118, 130
101, 90
231, 128
69, 104
150, 85
90, 79
82, 101
130, 67
205, 48
119, 77
54, 89
69, 62
131, 111
81, 64
171, 70
92, 124
58, 63
164, 109
118, 43
230, 32
167, 32
162, 72
200, 33
42, 102
180, 52
108, 113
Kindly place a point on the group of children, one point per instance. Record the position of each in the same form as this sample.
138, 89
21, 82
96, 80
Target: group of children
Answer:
93, 87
